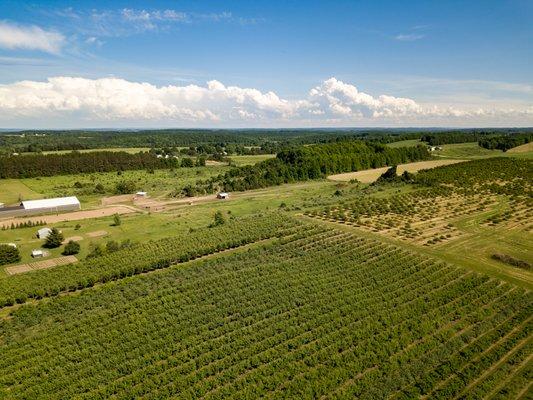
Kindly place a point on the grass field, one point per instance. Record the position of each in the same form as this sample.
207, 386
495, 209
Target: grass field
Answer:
371, 175
158, 183
250, 160
472, 151
525, 148
14, 190
406, 143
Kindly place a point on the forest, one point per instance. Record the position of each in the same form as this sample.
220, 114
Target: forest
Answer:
505, 142
34, 165
311, 162
37, 140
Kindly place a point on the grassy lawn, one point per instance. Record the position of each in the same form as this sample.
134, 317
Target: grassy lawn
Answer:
250, 160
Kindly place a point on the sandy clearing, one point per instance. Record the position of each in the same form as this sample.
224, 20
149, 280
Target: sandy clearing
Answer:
123, 198
371, 175
525, 148
53, 262
73, 216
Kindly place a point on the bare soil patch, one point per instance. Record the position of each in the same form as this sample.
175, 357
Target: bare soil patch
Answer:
123, 198
371, 175
73, 216
44, 264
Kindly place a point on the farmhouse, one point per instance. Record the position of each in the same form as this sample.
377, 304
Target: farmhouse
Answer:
223, 195
43, 206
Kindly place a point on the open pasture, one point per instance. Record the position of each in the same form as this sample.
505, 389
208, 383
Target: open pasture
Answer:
371, 175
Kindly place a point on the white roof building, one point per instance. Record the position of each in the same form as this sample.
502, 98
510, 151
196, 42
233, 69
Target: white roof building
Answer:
43, 233
37, 253
51, 203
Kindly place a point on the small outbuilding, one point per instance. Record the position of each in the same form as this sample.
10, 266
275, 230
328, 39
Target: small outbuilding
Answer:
2, 205
43, 233
37, 253
141, 194
223, 195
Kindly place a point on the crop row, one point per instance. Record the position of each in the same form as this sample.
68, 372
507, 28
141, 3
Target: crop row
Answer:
142, 258
318, 313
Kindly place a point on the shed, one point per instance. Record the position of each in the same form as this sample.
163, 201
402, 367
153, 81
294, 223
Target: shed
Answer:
59, 203
43, 233
2, 205
141, 194
223, 195
37, 253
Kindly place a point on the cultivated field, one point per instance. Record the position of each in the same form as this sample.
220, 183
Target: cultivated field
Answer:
37, 265
371, 175
309, 315
316, 289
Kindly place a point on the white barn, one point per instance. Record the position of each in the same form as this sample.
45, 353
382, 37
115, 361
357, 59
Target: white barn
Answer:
58, 203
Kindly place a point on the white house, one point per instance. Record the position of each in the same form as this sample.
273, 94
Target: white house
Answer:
43, 233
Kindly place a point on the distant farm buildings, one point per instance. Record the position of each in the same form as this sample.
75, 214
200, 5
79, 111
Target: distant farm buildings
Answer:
43, 206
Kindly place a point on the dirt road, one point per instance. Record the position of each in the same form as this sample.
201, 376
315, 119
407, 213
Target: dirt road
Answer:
72, 216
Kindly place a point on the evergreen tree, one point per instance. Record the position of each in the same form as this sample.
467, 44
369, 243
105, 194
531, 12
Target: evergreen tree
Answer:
8, 254
54, 239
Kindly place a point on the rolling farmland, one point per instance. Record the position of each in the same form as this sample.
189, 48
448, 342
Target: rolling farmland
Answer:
306, 316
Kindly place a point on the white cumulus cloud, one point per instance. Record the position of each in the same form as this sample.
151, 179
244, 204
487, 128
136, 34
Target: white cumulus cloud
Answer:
30, 37
118, 102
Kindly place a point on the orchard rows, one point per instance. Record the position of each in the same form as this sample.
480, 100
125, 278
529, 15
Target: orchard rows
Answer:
142, 258
318, 313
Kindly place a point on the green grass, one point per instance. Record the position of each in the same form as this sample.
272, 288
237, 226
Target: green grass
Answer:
14, 190
472, 151
250, 160
159, 183
405, 143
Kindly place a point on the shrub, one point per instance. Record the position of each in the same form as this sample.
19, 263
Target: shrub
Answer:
71, 248
8, 254
54, 239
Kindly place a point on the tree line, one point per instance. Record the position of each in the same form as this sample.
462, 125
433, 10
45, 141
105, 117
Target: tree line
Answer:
505, 143
310, 162
34, 165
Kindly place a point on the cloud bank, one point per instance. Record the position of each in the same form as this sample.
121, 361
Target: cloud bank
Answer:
30, 38
118, 102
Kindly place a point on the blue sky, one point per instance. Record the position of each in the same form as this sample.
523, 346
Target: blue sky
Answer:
266, 63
